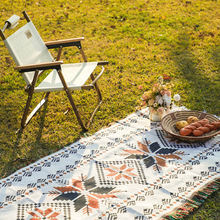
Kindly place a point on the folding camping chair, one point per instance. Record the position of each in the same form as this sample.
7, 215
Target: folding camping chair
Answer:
32, 58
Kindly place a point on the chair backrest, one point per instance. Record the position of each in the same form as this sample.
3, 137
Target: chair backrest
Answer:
27, 47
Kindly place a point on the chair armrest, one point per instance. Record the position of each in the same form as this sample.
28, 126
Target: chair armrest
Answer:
90, 86
102, 63
39, 66
64, 43
97, 78
100, 74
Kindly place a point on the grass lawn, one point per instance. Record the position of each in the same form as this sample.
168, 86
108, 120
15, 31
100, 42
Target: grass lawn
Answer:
141, 39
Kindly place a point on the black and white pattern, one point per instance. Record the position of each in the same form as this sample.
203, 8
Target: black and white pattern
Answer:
131, 170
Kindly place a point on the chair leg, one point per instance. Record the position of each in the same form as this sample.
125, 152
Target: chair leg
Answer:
26, 119
97, 88
85, 128
99, 101
80, 121
71, 100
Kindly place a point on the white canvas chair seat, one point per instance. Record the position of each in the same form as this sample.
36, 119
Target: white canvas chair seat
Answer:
32, 57
75, 76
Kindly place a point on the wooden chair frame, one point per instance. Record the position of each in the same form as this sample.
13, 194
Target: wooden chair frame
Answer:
40, 68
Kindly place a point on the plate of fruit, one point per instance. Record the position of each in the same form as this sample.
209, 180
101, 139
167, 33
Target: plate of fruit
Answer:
191, 126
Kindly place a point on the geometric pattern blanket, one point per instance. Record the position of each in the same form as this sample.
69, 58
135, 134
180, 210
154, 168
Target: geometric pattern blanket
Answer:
131, 170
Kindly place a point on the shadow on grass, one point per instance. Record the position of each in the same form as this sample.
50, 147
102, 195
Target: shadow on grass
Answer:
215, 57
201, 91
20, 149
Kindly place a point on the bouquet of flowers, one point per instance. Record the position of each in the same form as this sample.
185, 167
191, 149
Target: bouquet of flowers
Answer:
159, 98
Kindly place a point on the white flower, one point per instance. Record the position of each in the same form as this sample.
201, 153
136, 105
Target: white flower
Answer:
176, 97
155, 105
167, 99
159, 99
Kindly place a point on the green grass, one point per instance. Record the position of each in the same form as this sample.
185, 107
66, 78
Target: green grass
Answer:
141, 40
209, 210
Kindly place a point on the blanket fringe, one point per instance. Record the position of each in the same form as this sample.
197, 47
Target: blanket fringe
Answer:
194, 203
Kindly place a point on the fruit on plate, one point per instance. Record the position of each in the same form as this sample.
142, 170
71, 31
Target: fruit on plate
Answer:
216, 124
181, 124
192, 119
199, 128
185, 131
197, 133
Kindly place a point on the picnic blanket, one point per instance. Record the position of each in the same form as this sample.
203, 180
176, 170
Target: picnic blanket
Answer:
130, 170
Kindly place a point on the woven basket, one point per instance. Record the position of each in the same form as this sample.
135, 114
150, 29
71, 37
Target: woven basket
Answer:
169, 121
